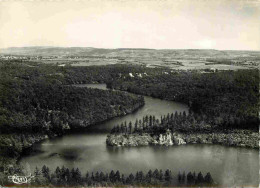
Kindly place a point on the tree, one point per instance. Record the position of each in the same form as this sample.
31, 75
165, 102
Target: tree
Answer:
176, 115
183, 178
37, 171
97, 177
168, 175
45, 172
117, 176
156, 174
92, 176
194, 177
125, 129
136, 126
146, 118
190, 178
130, 127
72, 174
121, 128
112, 176
184, 114
200, 178
139, 176
130, 179
140, 123
150, 120
161, 175
67, 175
179, 176
87, 177
63, 170
150, 173
102, 177
117, 129
168, 117
208, 178
123, 179
78, 176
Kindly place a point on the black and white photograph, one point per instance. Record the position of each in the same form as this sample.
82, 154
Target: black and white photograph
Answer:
129, 93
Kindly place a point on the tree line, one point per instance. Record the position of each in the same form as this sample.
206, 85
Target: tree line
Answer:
185, 122
63, 176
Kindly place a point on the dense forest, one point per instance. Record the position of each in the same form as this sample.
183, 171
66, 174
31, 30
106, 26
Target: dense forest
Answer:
34, 101
73, 177
222, 96
226, 97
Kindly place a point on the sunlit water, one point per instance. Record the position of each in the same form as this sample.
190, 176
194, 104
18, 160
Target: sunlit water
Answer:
87, 150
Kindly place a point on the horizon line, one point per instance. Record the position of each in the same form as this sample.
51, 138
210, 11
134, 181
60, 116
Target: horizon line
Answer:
139, 48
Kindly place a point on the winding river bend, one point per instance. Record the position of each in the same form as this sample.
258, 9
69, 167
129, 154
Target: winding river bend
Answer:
88, 151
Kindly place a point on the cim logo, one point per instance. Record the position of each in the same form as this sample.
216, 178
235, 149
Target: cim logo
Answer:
20, 179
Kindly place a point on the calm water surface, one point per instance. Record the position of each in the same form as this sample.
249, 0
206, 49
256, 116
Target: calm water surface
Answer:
88, 151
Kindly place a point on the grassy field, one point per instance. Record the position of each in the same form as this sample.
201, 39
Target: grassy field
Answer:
187, 59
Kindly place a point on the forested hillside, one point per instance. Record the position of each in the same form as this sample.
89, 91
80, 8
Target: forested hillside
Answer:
228, 97
224, 97
34, 101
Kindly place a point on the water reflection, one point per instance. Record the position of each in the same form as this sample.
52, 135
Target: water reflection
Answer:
88, 151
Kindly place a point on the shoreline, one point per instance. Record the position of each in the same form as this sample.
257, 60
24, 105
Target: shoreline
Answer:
25, 141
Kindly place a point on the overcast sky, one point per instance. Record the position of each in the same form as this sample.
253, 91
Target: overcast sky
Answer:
226, 24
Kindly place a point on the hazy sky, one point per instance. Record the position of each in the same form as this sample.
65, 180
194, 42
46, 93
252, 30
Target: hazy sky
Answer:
225, 24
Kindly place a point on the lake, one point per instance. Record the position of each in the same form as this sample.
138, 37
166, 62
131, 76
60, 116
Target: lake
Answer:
87, 150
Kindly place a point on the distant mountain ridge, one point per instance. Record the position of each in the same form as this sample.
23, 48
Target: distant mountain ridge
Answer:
90, 51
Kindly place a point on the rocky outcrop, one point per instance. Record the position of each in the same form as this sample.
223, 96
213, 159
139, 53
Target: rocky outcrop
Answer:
239, 138
178, 140
166, 139
129, 140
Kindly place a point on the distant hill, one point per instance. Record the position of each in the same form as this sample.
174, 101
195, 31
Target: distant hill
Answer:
125, 52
